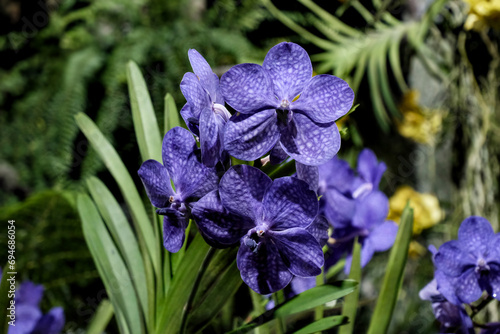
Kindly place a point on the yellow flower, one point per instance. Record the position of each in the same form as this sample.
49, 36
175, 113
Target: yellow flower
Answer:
426, 209
418, 123
416, 250
483, 14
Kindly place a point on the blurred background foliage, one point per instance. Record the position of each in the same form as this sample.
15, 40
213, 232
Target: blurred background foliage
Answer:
425, 73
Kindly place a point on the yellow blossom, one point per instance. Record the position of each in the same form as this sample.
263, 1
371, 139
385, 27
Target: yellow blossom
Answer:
483, 14
416, 250
418, 123
426, 209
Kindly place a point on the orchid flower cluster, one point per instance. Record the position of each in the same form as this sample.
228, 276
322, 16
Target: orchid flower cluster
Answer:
29, 319
281, 112
464, 270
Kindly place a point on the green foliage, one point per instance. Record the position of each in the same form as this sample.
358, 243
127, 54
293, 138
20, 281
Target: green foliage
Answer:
351, 301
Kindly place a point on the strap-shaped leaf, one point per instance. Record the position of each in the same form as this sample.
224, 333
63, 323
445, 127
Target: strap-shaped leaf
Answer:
323, 325
123, 236
180, 288
172, 118
101, 318
142, 223
393, 275
351, 301
111, 268
143, 115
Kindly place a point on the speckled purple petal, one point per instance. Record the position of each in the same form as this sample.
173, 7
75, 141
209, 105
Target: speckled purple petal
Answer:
203, 71
264, 270
289, 203
319, 230
467, 287
475, 234
371, 210
325, 99
27, 317
337, 174
338, 209
248, 89
195, 94
209, 138
451, 259
277, 154
309, 174
310, 143
191, 178
383, 236
29, 293
50, 323
242, 190
494, 280
174, 230
191, 121
156, 181
248, 137
290, 68
369, 168
446, 286
300, 251
220, 227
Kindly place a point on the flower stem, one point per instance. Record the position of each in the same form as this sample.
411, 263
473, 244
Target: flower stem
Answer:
280, 321
201, 272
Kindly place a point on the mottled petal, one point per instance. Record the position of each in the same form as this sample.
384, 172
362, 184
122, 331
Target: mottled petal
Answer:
369, 168
325, 99
191, 178
310, 143
263, 270
278, 154
319, 230
242, 190
209, 138
371, 210
451, 259
467, 287
156, 182
309, 174
203, 71
191, 121
50, 323
494, 281
336, 174
29, 293
290, 68
300, 251
289, 203
248, 89
475, 234
383, 236
195, 94
220, 227
174, 230
446, 286
248, 137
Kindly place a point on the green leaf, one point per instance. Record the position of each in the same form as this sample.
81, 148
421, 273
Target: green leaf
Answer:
4, 299
306, 300
181, 285
111, 268
143, 114
172, 118
323, 324
351, 301
101, 318
123, 236
393, 275
142, 223
220, 282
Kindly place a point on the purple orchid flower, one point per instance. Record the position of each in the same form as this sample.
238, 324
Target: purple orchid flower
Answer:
191, 178
468, 266
355, 208
283, 107
448, 314
269, 220
29, 317
204, 112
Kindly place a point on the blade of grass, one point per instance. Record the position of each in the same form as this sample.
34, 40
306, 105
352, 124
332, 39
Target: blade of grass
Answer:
323, 325
351, 300
101, 318
172, 116
393, 278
